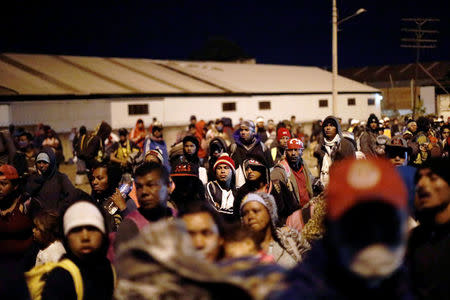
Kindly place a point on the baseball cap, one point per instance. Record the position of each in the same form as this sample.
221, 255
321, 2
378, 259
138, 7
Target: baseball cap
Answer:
8, 172
295, 144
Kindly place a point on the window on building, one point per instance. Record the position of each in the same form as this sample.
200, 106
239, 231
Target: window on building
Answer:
137, 109
264, 105
351, 101
323, 103
371, 101
229, 106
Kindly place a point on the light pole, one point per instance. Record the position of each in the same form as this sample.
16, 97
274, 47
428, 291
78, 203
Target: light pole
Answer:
335, 51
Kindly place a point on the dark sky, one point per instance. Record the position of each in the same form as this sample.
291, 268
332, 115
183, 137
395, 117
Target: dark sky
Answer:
277, 32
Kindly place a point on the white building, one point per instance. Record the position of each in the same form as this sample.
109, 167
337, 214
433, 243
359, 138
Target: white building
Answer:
69, 91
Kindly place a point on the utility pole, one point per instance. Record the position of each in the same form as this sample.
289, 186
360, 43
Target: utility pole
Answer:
419, 41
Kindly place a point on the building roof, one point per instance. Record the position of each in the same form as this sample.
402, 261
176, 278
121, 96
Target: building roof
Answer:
39, 74
399, 75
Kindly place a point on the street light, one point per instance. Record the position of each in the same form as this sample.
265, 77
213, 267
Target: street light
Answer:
334, 50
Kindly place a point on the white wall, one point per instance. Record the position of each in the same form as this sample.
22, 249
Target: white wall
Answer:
428, 98
304, 107
4, 115
120, 117
61, 115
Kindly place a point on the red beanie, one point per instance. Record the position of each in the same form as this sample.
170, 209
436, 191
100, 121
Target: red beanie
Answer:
283, 132
225, 159
356, 181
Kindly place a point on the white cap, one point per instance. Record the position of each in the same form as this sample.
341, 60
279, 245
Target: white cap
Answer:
354, 121
386, 119
259, 119
83, 213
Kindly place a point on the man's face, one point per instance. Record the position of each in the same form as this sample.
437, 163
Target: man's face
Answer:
330, 131
204, 234
374, 125
189, 148
122, 138
397, 157
245, 133
23, 141
413, 127
6, 188
223, 172
42, 166
283, 141
99, 180
151, 191
431, 190
252, 173
445, 133
271, 126
84, 240
157, 133
260, 125
293, 155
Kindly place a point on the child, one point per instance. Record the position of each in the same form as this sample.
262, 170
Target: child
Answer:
47, 235
86, 242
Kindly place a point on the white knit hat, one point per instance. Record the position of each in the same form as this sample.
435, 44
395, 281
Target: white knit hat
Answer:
267, 201
83, 213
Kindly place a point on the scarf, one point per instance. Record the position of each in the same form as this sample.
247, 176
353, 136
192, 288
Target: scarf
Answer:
330, 147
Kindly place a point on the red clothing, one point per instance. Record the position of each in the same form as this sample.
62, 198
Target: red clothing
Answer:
16, 233
301, 183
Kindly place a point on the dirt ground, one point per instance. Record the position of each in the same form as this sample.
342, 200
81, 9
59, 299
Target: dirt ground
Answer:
71, 170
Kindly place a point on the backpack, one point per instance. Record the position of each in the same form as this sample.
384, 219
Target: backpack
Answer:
83, 145
36, 277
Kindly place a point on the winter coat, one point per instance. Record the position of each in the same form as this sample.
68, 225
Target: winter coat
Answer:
368, 143
240, 152
52, 190
344, 149
220, 199
320, 276
284, 173
288, 248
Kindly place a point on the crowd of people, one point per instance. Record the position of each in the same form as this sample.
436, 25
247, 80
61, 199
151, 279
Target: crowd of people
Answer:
228, 211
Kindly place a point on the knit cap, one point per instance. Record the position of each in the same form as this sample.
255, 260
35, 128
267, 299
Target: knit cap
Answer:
83, 213
357, 181
249, 124
157, 153
185, 169
267, 201
224, 158
283, 132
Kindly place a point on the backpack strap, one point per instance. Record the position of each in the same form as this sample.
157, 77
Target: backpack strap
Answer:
72, 268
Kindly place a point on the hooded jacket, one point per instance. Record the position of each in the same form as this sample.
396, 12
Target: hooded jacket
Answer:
344, 149
257, 149
220, 142
53, 189
368, 139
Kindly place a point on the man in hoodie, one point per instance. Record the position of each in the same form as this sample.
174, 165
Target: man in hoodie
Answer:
217, 147
248, 144
332, 147
368, 139
49, 187
279, 148
261, 129
156, 141
191, 147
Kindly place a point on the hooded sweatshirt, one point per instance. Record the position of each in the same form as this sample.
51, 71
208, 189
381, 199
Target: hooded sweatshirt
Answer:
96, 145
368, 139
53, 189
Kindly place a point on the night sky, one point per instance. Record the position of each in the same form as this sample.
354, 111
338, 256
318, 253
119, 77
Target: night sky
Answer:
277, 32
